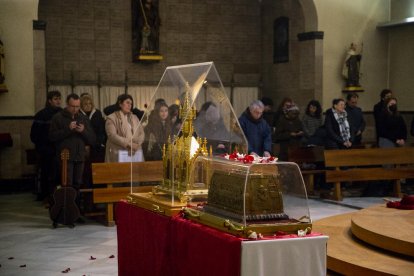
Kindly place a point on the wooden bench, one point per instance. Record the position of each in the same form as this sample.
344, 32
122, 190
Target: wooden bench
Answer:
304, 156
367, 165
106, 175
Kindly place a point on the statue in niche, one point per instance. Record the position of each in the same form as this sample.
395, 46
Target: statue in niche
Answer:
351, 68
145, 28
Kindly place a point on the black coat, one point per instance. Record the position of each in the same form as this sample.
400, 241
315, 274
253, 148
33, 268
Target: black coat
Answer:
39, 133
378, 110
334, 139
64, 137
412, 127
393, 127
98, 126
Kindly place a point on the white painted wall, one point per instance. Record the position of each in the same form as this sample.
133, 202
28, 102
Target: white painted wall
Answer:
16, 32
344, 22
401, 41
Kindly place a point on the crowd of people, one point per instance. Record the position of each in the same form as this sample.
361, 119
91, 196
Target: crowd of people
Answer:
119, 135
91, 137
342, 127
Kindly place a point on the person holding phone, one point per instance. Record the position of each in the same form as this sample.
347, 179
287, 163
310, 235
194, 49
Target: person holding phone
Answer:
70, 129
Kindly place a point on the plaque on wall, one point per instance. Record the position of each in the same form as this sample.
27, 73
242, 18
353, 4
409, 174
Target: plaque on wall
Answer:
145, 31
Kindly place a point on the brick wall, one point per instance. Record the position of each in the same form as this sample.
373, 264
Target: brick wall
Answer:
85, 36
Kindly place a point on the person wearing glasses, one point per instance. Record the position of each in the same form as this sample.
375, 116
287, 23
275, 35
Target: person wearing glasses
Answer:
256, 130
70, 129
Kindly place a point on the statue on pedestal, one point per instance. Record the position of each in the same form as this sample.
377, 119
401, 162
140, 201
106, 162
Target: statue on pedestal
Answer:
351, 69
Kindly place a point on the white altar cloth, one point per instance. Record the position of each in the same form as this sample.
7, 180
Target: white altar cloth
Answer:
295, 256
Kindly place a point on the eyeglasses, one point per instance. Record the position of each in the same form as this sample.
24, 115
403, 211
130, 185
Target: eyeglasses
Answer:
257, 112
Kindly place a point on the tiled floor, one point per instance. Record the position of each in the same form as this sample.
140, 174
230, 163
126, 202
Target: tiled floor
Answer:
30, 246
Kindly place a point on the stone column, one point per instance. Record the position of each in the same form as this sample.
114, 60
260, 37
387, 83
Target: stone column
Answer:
311, 55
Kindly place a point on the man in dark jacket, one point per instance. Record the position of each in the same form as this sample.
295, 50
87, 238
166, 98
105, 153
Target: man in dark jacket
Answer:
71, 130
39, 134
355, 117
379, 109
256, 130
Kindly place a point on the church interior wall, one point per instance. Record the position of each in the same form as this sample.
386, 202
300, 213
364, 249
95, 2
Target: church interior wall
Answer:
17, 105
401, 55
85, 40
16, 33
401, 9
280, 80
346, 22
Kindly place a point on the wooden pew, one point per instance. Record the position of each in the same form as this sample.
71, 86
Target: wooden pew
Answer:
367, 165
106, 175
307, 155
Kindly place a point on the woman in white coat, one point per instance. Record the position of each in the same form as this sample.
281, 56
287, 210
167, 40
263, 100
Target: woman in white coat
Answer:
125, 134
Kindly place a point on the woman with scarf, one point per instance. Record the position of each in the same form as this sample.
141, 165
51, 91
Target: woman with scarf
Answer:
125, 133
94, 153
98, 125
338, 132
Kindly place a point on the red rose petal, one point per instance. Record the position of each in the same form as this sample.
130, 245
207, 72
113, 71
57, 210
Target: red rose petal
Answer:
111, 257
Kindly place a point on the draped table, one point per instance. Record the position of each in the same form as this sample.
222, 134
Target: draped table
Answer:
153, 244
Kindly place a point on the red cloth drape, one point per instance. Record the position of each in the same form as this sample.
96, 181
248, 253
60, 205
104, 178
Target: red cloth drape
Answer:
199, 250
142, 241
152, 244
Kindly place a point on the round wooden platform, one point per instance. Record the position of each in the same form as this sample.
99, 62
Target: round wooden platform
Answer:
388, 228
348, 255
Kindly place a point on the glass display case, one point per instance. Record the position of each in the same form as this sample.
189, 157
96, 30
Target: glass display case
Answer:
251, 196
189, 116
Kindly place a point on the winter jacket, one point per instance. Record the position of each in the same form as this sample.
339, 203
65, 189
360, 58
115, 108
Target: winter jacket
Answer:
257, 133
120, 134
64, 137
39, 133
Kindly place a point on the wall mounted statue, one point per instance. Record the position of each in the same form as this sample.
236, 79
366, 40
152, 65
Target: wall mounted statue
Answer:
145, 30
351, 69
